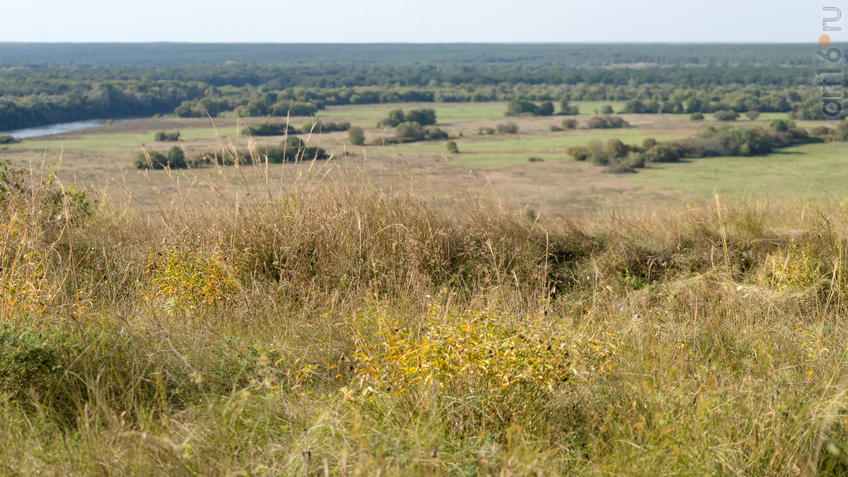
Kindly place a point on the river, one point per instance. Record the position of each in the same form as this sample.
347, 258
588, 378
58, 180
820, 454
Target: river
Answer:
51, 129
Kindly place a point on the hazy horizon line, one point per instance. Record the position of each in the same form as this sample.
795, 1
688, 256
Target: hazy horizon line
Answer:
4, 42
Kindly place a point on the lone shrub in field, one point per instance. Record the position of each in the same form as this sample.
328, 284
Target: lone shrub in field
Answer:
167, 136
569, 123
579, 153
615, 149
507, 128
795, 268
726, 115
356, 136
452, 147
510, 366
184, 279
176, 158
150, 160
699, 116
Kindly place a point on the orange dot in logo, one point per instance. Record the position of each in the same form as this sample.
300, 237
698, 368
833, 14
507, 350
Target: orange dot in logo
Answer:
824, 40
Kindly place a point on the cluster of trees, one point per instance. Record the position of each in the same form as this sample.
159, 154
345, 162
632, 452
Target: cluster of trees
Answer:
147, 159
524, 107
320, 127
605, 122
291, 150
712, 142
202, 108
279, 129
411, 126
7, 139
163, 136
294, 149
521, 107
668, 100
262, 106
414, 132
396, 117
503, 128
270, 129
723, 115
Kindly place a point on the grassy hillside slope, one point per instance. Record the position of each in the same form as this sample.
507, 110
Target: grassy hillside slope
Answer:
354, 332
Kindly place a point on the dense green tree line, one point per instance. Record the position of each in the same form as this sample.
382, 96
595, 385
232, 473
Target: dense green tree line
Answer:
101, 100
32, 96
712, 142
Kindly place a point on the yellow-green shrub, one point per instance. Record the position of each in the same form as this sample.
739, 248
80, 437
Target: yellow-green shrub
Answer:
185, 279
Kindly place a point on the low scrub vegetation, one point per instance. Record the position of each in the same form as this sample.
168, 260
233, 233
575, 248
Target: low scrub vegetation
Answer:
348, 331
164, 136
396, 117
293, 149
413, 132
7, 139
270, 129
320, 127
173, 159
606, 122
356, 136
712, 142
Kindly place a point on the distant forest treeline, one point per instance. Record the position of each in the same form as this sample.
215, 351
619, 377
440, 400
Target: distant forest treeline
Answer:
570, 55
51, 84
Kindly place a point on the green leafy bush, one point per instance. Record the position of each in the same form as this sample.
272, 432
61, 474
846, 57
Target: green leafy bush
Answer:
507, 128
726, 115
270, 129
356, 136
162, 136
396, 117
607, 122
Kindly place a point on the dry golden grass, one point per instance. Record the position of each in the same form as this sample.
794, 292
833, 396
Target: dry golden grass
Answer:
101, 158
344, 328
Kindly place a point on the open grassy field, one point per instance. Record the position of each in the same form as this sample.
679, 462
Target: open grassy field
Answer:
810, 172
498, 164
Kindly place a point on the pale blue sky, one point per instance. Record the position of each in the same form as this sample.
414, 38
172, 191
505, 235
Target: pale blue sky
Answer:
414, 21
